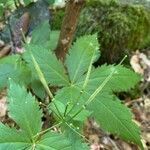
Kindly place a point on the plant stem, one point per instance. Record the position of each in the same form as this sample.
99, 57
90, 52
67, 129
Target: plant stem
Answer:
99, 89
89, 72
43, 81
41, 77
95, 93
48, 129
85, 82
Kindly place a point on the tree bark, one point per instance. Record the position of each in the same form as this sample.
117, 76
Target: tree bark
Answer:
72, 12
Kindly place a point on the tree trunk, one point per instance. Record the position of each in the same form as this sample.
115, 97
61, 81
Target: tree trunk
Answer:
72, 12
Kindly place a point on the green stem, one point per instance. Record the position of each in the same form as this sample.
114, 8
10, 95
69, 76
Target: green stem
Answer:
48, 129
66, 108
89, 72
75, 103
41, 77
85, 82
43, 81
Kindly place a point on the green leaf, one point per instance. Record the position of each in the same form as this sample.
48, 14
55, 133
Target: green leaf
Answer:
17, 140
24, 110
52, 69
68, 97
44, 38
54, 141
10, 59
13, 67
12, 139
122, 79
83, 115
54, 37
55, 106
69, 100
75, 139
38, 89
23, 73
6, 71
83, 51
114, 117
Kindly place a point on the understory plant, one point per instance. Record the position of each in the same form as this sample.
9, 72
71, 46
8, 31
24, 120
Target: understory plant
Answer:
70, 92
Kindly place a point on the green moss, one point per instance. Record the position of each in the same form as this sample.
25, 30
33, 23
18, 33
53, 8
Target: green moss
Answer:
121, 28
57, 17
146, 43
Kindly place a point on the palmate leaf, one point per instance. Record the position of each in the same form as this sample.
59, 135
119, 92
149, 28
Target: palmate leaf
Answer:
105, 107
24, 110
52, 69
69, 100
113, 116
12, 139
83, 51
122, 79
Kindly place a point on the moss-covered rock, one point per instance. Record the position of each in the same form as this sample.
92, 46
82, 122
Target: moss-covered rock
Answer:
121, 28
